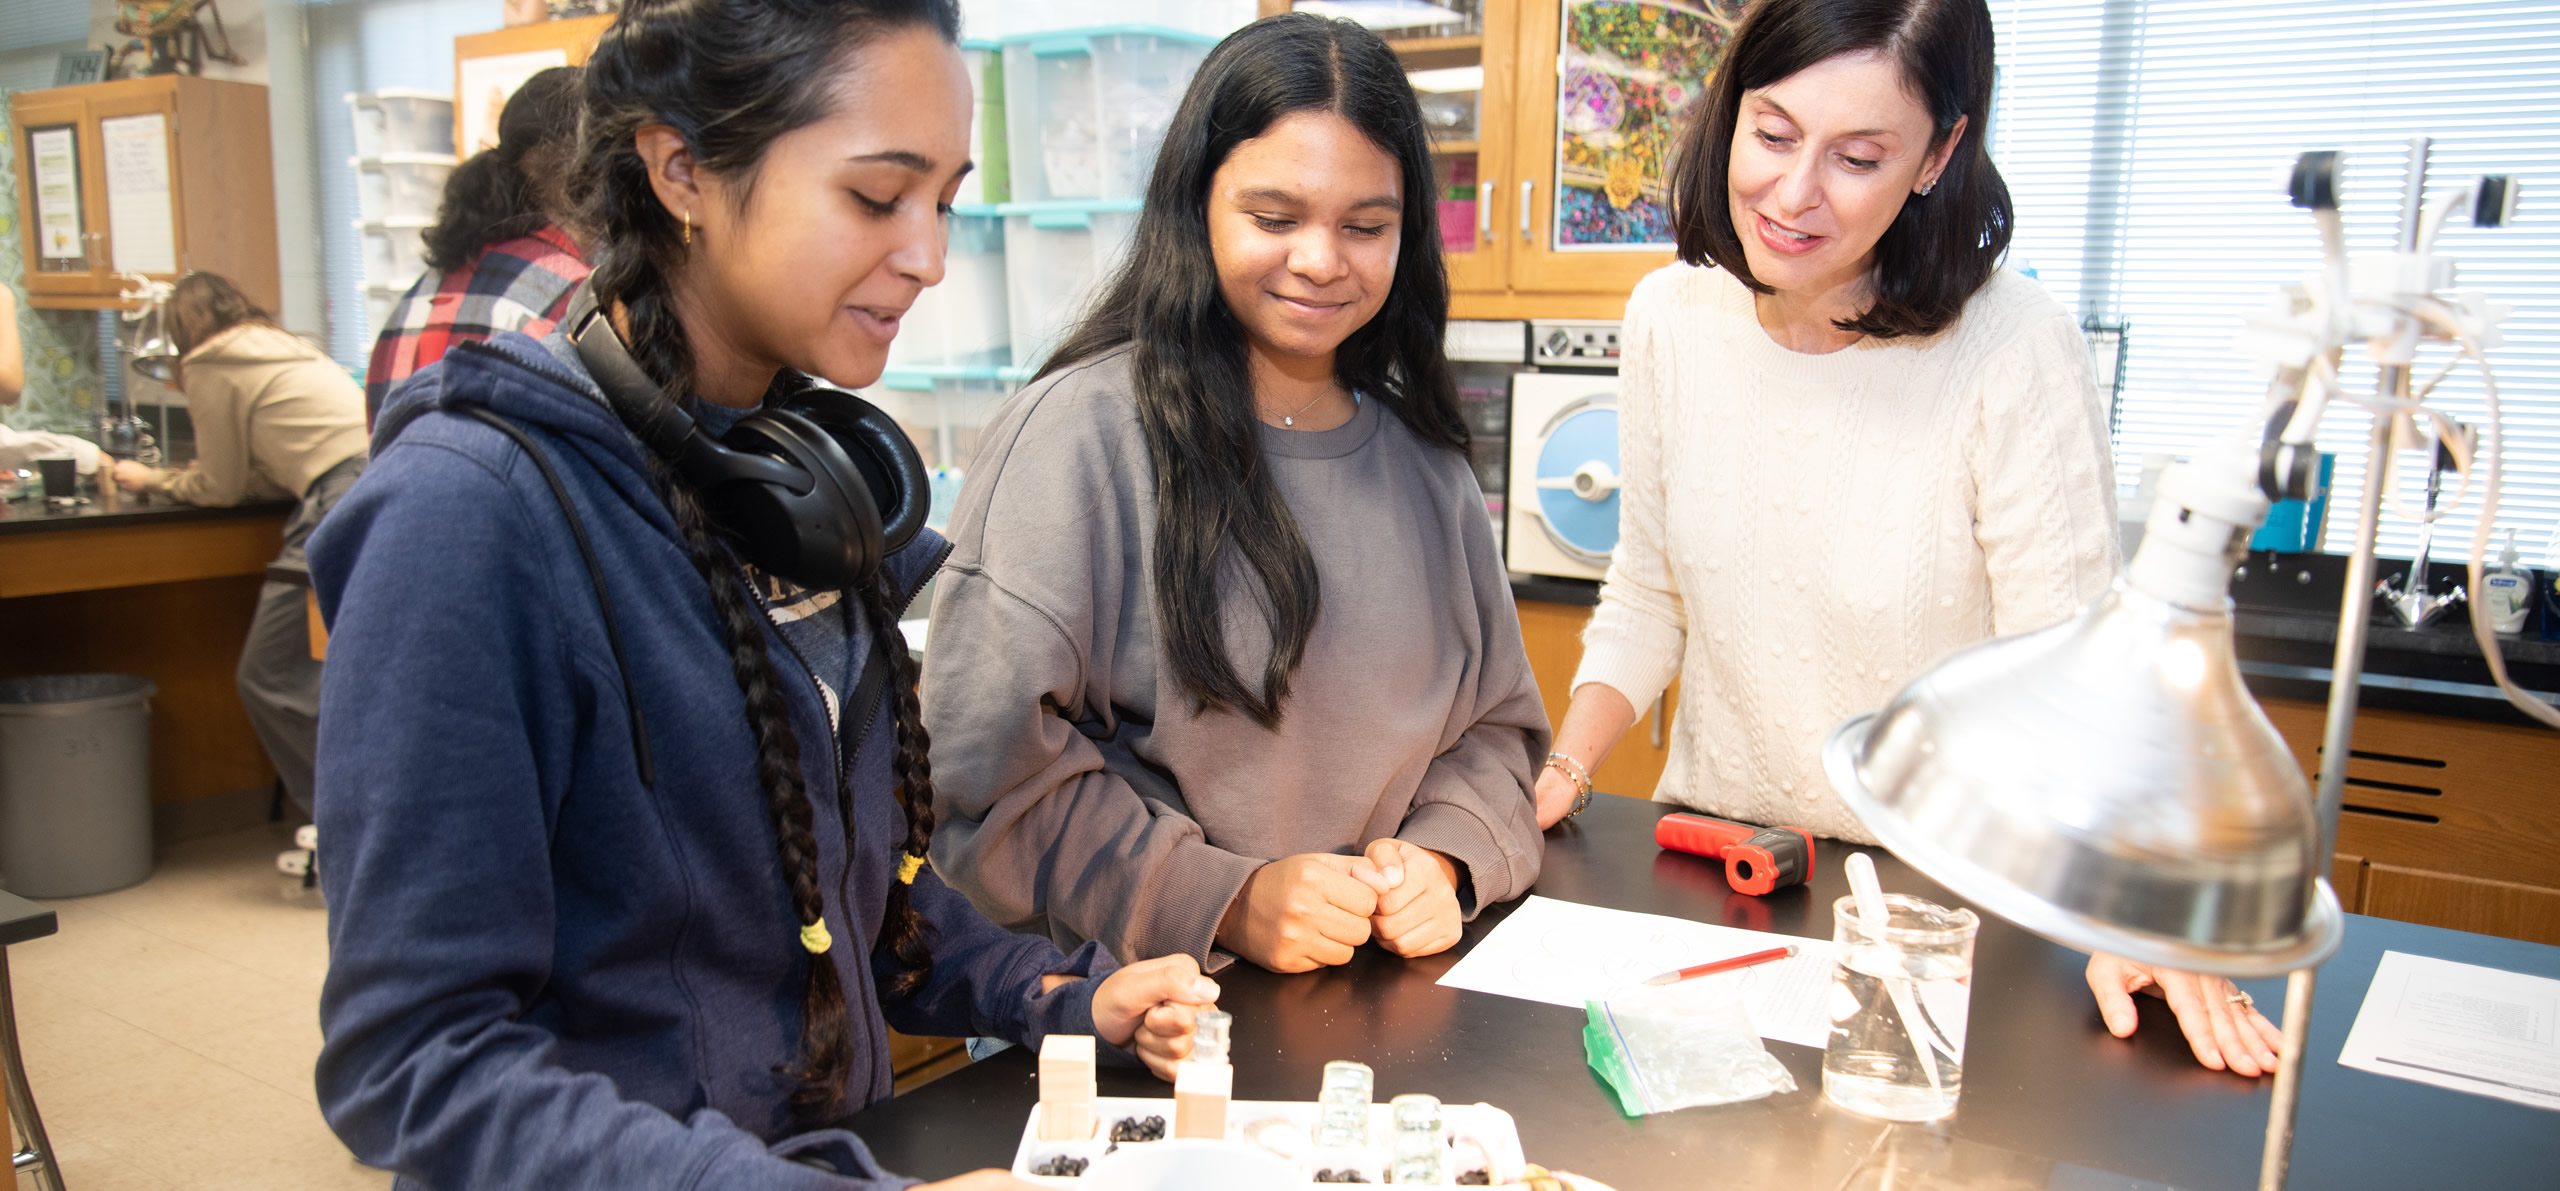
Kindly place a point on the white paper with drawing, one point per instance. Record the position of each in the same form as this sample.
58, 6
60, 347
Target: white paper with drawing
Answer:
2472, 1029
1566, 953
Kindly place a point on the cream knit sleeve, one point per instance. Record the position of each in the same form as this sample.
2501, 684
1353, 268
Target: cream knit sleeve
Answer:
1633, 642
2043, 476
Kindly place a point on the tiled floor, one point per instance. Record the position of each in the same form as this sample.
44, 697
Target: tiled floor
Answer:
170, 1029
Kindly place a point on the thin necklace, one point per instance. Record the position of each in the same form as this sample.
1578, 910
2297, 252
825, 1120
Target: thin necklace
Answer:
1291, 420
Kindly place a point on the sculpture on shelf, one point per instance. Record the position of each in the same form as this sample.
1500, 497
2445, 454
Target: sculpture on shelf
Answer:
169, 37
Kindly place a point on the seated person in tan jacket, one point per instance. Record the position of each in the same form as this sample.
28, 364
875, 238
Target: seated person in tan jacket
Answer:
1225, 656
274, 418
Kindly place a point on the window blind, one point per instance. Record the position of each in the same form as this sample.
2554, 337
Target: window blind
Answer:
43, 24
2144, 141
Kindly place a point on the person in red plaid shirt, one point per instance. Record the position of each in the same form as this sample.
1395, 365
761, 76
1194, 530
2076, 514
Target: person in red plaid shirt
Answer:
497, 258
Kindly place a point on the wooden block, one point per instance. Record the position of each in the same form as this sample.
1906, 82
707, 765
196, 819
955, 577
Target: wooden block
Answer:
1067, 1120
1066, 1066
1200, 1095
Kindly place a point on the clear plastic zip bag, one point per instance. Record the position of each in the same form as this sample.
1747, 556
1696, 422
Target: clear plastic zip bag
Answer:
1680, 1046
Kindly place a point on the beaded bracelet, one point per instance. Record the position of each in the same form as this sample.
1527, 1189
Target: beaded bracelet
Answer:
1580, 777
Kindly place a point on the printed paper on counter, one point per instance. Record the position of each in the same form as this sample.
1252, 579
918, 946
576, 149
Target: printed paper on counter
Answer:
2460, 1026
1566, 953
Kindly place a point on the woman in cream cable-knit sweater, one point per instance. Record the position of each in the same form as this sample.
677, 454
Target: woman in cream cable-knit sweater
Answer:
1852, 443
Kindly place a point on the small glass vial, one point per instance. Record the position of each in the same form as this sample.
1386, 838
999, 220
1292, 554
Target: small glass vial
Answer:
1419, 1151
1209, 1042
1342, 1107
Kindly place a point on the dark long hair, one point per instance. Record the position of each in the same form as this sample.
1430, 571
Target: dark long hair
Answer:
203, 305
732, 76
1214, 493
516, 188
1942, 246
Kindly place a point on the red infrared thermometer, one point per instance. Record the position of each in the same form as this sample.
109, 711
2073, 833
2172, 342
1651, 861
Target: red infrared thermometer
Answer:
1757, 860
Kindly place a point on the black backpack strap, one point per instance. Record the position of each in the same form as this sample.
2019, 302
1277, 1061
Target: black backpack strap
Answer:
866, 691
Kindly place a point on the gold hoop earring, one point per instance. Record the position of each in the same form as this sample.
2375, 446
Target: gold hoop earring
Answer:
688, 227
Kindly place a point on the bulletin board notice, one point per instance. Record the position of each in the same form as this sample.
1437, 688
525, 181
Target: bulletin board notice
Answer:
54, 158
142, 225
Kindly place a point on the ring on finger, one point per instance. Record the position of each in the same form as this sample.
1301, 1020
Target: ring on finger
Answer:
2240, 998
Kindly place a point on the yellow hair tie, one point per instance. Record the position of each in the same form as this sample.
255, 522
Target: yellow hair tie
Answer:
815, 937
907, 868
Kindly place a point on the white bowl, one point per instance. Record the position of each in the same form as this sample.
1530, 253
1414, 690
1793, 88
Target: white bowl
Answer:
1186, 1164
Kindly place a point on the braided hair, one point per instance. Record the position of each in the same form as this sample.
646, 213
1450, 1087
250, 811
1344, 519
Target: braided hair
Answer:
731, 77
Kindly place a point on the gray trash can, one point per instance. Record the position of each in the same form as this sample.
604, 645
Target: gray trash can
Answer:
75, 784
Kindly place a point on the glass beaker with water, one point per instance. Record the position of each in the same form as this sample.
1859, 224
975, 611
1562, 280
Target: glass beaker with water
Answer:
1898, 1004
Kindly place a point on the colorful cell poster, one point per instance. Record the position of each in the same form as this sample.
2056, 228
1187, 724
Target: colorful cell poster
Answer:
1629, 76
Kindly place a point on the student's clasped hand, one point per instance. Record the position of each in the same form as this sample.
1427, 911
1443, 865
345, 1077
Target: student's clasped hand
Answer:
1417, 888
1147, 1006
1300, 913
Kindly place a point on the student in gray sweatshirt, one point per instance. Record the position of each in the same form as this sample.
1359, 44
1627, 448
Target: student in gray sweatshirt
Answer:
1225, 661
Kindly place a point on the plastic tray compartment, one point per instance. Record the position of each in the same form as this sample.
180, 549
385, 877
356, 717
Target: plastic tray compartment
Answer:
1086, 110
1056, 255
962, 322
1483, 1138
400, 121
400, 185
943, 411
394, 251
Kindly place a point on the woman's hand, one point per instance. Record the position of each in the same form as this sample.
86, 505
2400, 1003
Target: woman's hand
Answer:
2222, 1025
1150, 1003
1556, 794
1417, 898
1300, 913
131, 476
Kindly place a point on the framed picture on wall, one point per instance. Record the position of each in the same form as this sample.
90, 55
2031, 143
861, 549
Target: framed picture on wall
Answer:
79, 66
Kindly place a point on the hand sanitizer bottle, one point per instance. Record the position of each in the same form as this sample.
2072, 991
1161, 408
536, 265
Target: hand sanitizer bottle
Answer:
2509, 591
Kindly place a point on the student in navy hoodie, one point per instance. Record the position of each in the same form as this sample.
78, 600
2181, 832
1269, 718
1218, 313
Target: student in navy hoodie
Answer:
623, 856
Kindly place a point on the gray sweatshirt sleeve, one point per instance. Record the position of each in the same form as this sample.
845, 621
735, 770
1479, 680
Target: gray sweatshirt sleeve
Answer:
1476, 803
1032, 826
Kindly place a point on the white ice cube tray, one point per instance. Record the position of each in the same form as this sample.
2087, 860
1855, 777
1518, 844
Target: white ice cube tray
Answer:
1488, 1128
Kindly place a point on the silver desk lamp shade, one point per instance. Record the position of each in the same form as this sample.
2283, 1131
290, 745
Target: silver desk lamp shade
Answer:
2108, 782
154, 354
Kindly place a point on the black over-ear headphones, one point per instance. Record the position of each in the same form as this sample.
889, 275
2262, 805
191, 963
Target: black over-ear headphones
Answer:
819, 490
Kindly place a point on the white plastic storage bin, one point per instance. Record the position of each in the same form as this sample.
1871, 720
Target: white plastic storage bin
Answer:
398, 121
395, 252
378, 301
944, 410
1086, 110
961, 322
1056, 255
400, 185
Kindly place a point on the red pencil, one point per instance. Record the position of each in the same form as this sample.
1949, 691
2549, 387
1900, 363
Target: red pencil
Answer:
1725, 965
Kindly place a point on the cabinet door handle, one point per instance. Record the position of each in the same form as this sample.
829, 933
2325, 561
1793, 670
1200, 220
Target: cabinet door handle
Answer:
1484, 209
1657, 720
1525, 184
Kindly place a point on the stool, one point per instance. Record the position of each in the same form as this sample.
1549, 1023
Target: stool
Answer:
21, 921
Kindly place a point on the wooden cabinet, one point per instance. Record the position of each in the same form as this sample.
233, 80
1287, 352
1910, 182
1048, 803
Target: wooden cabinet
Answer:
2447, 822
160, 176
1565, 182
1553, 635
